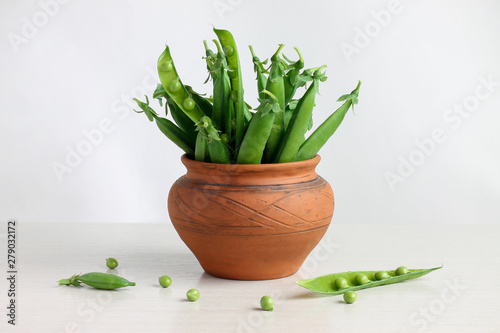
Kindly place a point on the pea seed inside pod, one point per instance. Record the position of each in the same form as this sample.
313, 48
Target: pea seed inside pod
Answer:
234, 95
361, 279
228, 50
402, 270
341, 283
174, 86
381, 275
167, 66
224, 137
188, 103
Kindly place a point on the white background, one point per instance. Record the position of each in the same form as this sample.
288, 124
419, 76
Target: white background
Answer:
67, 67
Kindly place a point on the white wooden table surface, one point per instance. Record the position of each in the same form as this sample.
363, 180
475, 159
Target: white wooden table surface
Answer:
464, 296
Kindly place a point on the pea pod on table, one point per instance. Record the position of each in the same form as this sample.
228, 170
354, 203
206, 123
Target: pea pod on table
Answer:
98, 280
357, 280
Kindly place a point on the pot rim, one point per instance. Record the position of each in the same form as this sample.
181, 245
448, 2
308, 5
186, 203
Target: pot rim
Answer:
251, 174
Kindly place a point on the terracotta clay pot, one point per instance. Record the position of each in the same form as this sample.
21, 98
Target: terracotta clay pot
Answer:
251, 222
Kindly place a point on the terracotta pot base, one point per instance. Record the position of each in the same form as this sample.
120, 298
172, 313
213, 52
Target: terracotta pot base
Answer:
246, 231
253, 257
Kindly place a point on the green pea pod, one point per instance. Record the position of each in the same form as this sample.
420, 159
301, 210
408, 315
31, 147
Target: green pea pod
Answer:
219, 153
217, 149
288, 116
228, 110
276, 86
247, 115
174, 88
176, 135
221, 93
256, 136
223, 86
181, 119
98, 280
202, 102
259, 130
323, 133
183, 140
104, 281
229, 46
326, 284
294, 135
201, 148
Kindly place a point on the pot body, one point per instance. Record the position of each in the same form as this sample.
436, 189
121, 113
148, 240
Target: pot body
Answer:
251, 222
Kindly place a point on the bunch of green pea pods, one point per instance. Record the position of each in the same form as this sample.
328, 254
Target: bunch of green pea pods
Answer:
223, 128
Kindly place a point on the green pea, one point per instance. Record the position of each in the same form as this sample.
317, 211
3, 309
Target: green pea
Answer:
341, 283
167, 66
402, 270
350, 297
361, 279
224, 137
189, 104
228, 50
165, 281
234, 95
381, 275
111, 263
193, 295
267, 303
174, 86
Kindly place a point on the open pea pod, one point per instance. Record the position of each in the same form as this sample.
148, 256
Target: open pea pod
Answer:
357, 280
173, 86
